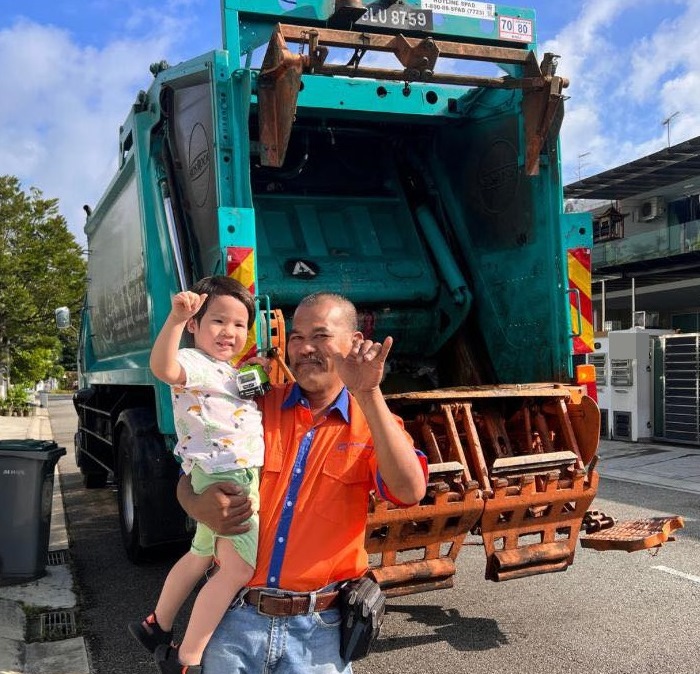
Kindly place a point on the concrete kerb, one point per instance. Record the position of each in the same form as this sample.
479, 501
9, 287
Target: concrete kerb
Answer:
53, 592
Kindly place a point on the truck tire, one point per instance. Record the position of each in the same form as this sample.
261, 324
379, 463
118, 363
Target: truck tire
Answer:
149, 514
94, 475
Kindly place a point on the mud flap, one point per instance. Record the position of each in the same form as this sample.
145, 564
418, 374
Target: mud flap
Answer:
634, 535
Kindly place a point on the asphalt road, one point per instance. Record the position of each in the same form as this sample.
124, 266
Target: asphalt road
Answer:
610, 613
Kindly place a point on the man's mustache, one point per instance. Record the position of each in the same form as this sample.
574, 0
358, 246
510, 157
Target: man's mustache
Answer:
312, 360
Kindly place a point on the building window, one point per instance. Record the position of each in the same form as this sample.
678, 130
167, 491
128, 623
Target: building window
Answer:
609, 225
685, 210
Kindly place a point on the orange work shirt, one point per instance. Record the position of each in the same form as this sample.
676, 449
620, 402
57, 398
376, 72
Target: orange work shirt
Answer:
314, 492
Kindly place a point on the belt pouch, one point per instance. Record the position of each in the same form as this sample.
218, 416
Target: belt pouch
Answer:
362, 606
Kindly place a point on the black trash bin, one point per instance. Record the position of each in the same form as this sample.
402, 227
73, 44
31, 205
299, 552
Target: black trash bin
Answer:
26, 494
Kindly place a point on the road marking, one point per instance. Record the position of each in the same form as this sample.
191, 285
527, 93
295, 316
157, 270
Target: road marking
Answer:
673, 572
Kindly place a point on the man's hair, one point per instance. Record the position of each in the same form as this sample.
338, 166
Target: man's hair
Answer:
348, 308
218, 286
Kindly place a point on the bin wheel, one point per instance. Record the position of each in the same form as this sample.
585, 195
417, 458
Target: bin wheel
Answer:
94, 476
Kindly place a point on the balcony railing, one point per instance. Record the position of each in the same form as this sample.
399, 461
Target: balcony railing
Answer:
664, 242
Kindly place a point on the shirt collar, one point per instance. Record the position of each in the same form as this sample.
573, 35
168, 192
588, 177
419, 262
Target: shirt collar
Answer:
341, 404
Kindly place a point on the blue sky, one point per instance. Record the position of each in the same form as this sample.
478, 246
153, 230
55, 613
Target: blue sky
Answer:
71, 69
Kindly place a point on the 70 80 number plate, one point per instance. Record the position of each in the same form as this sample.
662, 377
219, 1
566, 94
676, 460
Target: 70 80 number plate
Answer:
397, 17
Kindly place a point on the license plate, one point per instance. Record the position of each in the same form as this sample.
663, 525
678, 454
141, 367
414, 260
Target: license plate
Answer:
514, 28
397, 17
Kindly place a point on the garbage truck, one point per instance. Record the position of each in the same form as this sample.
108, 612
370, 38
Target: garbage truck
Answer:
402, 153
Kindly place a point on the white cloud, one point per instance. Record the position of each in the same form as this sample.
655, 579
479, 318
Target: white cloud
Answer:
667, 68
62, 107
670, 52
588, 60
63, 101
621, 89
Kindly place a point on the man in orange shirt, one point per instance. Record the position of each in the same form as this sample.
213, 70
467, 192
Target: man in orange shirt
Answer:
330, 439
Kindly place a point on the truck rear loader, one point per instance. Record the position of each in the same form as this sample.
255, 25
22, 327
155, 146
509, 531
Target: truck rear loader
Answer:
406, 155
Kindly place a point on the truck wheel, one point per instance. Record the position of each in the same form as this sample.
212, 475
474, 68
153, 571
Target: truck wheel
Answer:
147, 475
94, 475
127, 493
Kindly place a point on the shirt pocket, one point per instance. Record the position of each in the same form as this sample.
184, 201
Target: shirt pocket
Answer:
349, 464
272, 462
344, 485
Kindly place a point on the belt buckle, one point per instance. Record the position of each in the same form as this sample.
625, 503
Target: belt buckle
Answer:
261, 594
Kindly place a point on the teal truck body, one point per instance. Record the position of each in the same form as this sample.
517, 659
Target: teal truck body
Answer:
353, 149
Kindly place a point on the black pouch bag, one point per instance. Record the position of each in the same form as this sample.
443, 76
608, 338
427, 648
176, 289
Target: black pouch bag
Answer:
362, 606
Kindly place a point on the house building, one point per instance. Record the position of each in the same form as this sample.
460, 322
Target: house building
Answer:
646, 236
646, 293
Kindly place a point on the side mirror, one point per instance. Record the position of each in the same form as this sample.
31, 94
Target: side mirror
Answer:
62, 318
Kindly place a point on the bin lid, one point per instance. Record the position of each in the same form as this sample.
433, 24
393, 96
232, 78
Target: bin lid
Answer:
30, 448
27, 445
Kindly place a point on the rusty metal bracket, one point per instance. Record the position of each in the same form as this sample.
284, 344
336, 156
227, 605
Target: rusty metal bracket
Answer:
540, 107
486, 474
278, 87
634, 535
280, 79
596, 520
418, 59
416, 547
356, 58
317, 52
532, 527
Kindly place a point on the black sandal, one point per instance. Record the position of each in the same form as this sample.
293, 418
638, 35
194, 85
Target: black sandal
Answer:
169, 663
150, 634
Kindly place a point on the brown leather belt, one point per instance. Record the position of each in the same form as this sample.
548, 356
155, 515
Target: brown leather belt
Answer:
289, 604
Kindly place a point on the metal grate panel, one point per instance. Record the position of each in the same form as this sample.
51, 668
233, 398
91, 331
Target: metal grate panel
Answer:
57, 625
634, 534
603, 423
597, 360
681, 369
57, 557
621, 372
622, 425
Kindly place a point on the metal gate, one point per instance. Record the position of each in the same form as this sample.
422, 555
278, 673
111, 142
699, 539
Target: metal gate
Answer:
681, 387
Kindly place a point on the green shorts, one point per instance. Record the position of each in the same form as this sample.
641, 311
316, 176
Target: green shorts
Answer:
246, 544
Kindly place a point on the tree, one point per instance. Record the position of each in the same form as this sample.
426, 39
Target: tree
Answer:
41, 267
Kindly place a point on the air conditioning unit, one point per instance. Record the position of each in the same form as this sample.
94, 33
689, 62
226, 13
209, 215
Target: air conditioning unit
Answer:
646, 319
652, 208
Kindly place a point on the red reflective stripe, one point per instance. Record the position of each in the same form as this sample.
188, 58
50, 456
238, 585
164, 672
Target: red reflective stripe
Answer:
240, 265
583, 255
240, 262
592, 390
579, 273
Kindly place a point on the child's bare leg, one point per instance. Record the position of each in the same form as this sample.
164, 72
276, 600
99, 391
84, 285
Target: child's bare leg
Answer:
213, 600
180, 582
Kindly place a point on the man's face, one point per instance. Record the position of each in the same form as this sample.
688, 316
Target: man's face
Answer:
318, 331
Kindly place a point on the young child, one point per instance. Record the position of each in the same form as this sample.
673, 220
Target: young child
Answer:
219, 438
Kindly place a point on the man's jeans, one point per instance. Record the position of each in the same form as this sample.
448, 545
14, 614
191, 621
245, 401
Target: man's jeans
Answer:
246, 642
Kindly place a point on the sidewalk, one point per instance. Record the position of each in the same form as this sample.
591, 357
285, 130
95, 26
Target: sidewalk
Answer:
51, 596
658, 465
